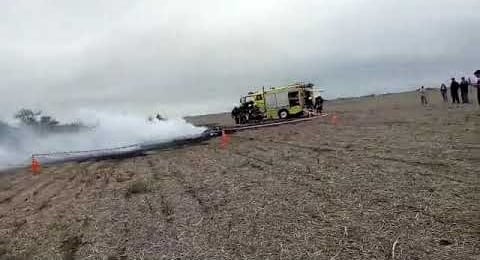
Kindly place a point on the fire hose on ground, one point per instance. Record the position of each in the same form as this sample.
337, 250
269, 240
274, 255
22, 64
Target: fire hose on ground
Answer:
142, 149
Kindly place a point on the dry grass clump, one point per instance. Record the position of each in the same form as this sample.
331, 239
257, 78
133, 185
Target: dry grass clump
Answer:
138, 187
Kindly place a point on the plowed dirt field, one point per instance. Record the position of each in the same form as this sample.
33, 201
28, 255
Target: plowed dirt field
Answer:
389, 179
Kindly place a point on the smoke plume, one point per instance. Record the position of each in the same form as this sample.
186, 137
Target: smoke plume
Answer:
105, 130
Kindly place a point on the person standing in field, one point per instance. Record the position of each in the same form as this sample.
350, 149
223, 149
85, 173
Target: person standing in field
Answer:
454, 86
478, 90
423, 96
477, 74
443, 90
236, 115
319, 104
464, 90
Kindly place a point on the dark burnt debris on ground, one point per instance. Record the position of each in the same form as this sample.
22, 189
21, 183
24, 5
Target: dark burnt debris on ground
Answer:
391, 180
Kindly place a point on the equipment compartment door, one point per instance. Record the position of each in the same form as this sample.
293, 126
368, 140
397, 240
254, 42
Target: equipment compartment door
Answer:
282, 100
271, 100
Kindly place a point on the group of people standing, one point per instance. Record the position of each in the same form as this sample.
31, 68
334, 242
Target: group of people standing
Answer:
454, 87
247, 112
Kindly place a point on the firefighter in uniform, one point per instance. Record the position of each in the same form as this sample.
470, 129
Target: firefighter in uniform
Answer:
236, 115
319, 104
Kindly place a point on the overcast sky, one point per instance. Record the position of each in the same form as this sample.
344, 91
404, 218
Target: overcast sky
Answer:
200, 56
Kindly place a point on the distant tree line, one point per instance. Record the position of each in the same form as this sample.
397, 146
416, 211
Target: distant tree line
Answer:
45, 123
30, 118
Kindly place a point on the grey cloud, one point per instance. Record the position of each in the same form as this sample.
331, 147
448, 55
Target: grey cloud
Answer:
201, 55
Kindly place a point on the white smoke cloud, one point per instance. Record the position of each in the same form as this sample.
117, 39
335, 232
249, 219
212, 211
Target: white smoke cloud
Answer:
109, 131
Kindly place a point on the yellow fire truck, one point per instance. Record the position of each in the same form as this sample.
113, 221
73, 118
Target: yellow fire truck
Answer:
280, 102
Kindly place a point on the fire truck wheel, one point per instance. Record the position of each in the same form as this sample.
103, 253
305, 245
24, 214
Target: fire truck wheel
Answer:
283, 114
